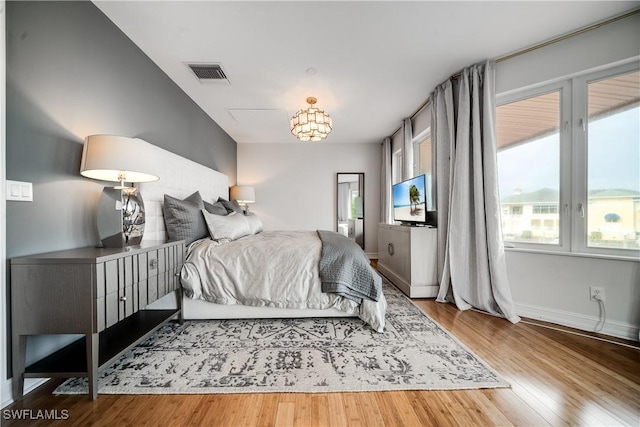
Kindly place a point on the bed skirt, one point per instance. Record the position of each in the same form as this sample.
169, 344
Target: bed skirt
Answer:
201, 310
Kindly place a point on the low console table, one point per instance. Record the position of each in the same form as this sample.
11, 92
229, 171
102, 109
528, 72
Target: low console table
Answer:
100, 293
407, 256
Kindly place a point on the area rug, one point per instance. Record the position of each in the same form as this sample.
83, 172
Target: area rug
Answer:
297, 355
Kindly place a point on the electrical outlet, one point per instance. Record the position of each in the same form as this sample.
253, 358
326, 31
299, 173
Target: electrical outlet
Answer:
597, 294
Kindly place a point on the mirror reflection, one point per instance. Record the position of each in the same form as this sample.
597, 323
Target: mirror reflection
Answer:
350, 206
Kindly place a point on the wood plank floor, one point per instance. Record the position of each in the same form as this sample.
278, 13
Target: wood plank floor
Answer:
557, 379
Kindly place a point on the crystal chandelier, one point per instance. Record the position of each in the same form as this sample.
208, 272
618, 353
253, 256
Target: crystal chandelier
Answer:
311, 124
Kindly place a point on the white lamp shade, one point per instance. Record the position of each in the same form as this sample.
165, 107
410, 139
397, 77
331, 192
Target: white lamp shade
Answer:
243, 194
116, 158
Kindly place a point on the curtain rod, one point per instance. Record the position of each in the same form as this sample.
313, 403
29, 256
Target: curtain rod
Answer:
535, 47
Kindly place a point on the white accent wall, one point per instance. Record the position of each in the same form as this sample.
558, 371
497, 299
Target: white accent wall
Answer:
555, 287
295, 184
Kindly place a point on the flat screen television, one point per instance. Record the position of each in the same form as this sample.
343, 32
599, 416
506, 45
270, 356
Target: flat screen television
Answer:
409, 202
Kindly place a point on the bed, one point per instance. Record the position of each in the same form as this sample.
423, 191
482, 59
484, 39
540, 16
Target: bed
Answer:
179, 179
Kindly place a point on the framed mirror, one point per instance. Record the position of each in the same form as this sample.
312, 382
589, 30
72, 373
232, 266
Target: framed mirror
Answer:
350, 206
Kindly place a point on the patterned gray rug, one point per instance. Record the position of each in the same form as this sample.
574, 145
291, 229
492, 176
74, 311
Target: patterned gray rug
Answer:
297, 355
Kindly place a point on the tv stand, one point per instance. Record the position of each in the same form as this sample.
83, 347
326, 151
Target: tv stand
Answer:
407, 256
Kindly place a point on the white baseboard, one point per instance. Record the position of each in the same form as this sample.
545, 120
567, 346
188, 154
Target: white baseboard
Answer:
30, 384
579, 321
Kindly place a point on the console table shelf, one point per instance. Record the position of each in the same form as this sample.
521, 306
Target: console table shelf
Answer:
71, 360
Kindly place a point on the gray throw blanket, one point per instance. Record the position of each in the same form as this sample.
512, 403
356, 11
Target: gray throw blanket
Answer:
345, 269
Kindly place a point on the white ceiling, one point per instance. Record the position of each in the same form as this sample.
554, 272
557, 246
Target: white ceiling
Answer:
373, 63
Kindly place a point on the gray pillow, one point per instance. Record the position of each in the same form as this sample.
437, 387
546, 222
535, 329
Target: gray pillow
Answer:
255, 225
216, 208
230, 206
183, 218
229, 227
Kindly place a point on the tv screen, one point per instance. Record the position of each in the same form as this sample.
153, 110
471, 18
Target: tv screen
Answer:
409, 198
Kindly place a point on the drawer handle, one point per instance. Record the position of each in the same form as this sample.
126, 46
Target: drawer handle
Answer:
391, 249
123, 298
153, 263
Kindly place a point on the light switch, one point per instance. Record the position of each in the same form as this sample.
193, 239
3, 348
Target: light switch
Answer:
20, 191
15, 190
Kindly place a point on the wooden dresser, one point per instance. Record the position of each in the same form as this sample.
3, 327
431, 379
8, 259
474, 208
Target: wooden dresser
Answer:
100, 293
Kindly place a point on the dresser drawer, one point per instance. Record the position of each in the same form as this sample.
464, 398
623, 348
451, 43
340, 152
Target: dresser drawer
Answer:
128, 284
170, 261
393, 250
148, 264
120, 298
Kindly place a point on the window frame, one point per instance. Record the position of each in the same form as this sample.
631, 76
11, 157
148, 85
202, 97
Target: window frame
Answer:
573, 162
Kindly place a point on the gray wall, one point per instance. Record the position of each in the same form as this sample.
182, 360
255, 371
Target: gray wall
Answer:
70, 73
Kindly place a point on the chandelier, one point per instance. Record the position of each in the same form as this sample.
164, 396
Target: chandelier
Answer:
311, 124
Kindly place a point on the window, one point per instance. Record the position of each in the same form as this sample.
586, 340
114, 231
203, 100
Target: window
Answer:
528, 137
569, 158
353, 197
423, 154
613, 155
545, 209
396, 167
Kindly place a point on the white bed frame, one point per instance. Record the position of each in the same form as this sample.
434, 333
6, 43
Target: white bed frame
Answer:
180, 177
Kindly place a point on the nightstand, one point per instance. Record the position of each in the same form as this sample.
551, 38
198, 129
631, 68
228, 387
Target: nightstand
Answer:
100, 293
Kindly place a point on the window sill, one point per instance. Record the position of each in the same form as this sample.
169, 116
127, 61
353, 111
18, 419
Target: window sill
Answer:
574, 254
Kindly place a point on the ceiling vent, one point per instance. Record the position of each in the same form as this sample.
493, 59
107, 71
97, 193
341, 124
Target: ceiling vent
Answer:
209, 73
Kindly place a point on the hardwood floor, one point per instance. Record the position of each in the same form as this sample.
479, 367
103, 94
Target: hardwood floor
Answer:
557, 378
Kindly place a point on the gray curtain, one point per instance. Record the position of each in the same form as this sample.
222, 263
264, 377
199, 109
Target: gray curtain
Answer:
471, 259
386, 205
407, 149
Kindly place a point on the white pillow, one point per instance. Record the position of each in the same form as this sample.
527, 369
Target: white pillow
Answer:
255, 225
228, 227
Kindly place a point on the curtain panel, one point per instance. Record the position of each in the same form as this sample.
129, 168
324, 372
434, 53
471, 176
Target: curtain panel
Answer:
386, 205
471, 260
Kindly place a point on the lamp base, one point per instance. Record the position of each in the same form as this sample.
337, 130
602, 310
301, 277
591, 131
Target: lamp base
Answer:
120, 217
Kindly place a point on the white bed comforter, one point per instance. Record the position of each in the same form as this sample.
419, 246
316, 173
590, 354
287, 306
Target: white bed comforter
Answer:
269, 269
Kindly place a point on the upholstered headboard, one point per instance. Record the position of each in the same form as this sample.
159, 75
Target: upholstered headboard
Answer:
179, 177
